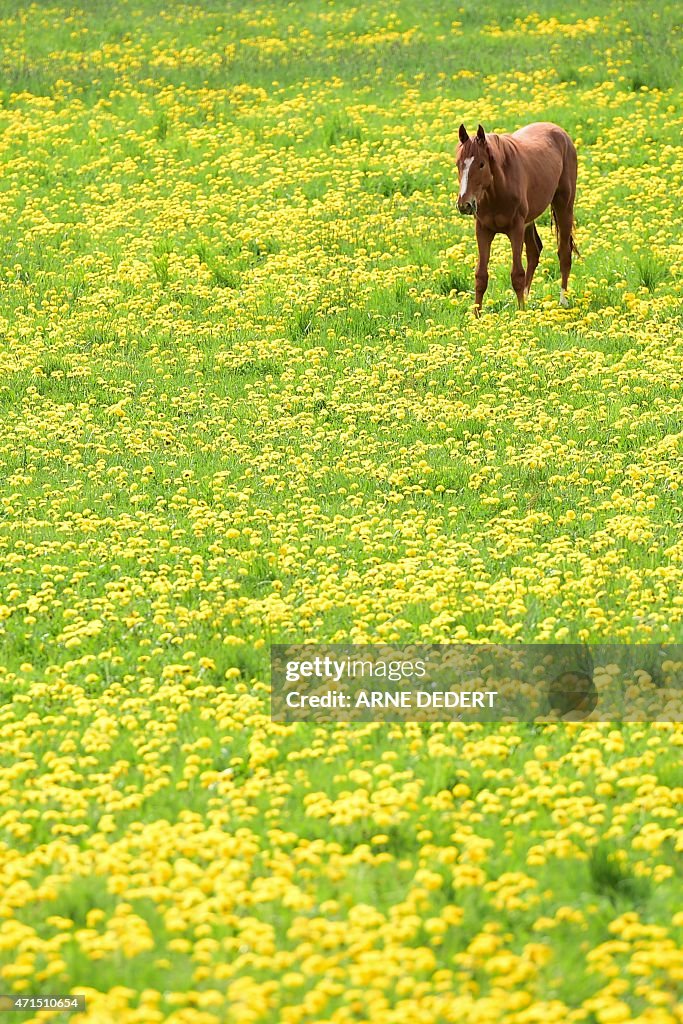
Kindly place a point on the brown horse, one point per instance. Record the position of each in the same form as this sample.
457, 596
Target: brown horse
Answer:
506, 182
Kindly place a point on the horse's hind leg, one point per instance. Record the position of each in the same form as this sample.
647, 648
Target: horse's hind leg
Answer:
517, 275
563, 212
533, 245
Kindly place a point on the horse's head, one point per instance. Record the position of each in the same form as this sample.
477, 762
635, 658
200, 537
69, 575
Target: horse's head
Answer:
474, 159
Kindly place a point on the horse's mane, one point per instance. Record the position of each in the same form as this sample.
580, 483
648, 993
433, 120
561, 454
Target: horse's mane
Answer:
495, 144
499, 148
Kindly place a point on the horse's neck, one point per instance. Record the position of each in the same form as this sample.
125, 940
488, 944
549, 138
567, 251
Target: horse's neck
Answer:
499, 146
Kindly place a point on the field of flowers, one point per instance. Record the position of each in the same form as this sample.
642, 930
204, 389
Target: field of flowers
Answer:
244, 401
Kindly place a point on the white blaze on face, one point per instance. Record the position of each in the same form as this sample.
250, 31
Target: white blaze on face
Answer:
465, 175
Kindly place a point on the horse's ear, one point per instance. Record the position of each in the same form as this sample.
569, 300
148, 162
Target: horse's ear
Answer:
462, 133
481, 134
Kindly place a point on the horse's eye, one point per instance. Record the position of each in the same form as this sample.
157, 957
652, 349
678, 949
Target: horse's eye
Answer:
481, 165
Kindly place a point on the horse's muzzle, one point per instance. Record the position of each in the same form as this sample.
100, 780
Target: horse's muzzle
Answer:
468, 209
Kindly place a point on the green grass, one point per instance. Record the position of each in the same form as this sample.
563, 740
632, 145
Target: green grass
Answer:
244, 400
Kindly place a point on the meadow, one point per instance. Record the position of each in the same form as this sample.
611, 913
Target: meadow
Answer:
245, 401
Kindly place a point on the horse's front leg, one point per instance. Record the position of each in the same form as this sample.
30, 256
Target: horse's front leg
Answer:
481, 275
518, 274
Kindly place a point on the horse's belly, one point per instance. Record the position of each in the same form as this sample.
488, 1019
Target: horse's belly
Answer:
538, 203
543, 174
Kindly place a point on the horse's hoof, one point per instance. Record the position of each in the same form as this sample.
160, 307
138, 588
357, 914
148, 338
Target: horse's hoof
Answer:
564, 301
477, 311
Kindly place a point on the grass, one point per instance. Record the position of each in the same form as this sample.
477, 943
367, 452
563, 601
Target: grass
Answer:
245, 401
615, 879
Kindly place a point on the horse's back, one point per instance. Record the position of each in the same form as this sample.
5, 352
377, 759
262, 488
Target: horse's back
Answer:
544, 135
541, 130
545, 165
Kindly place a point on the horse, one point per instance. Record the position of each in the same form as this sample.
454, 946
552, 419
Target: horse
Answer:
506, 182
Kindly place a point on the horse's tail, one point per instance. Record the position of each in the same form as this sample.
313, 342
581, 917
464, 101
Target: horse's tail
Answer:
572, 243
